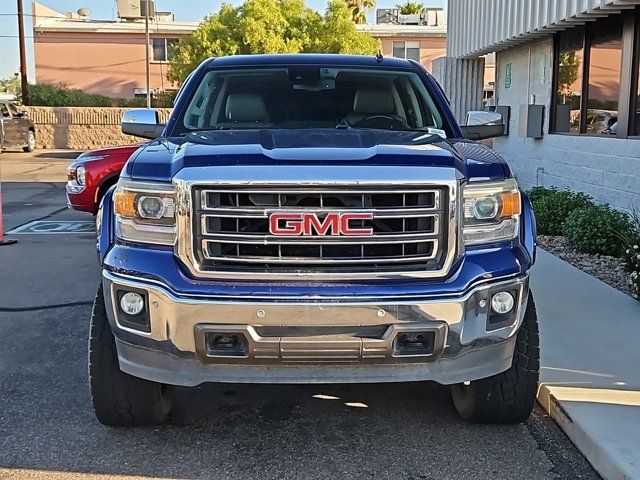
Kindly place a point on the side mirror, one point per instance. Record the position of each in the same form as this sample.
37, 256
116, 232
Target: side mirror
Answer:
481, 125
142, 122
24, 114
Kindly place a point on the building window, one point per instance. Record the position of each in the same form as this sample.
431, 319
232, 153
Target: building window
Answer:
605, 63
587, 78
163, 49
569, 73
408, 50
635, 95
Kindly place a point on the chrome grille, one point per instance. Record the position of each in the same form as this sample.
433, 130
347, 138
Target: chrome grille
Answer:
231, 229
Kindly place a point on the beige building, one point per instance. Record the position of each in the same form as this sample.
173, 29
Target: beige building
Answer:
421, 43
98, 56
108, 56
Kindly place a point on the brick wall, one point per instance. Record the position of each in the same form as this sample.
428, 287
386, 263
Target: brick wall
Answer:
606, 168
81, 128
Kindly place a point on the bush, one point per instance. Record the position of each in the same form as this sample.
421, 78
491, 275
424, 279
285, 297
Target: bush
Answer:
632, 253
598, 229
46, 95
552, 207
537, 193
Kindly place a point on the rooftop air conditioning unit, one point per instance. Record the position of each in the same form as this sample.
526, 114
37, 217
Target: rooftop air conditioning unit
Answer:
166, 17
386, 15
409, 19
134, 9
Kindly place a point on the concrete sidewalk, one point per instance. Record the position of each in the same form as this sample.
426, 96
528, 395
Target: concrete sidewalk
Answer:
590, 378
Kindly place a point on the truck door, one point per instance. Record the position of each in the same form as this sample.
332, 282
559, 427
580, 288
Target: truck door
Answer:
9, 126
21, 124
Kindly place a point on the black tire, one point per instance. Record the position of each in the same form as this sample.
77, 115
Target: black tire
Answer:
509, 396
120, 399
31, 142
103, 189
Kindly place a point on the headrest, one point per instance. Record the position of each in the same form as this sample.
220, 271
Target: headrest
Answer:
246, 107
372, 101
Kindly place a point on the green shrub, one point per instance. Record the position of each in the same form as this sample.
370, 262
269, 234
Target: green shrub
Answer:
552, 207
598, 229
632, 253
47, 95
537, 193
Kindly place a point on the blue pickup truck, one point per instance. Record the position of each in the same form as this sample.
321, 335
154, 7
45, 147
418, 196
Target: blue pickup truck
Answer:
313, 219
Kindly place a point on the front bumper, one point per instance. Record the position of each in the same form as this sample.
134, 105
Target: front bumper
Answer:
80, 198
314, 340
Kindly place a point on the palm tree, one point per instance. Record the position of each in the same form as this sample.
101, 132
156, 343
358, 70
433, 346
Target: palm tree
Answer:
359, 9
410, 8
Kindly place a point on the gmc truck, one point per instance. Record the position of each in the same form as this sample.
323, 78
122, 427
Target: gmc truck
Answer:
313, 219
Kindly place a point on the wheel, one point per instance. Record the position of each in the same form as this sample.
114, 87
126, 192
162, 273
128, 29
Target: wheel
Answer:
509, 396
103, 189
119, 399
31, 142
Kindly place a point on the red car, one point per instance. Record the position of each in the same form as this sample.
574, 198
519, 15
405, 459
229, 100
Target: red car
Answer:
93, 173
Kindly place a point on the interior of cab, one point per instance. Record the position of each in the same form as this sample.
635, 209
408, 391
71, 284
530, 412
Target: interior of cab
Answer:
311, 97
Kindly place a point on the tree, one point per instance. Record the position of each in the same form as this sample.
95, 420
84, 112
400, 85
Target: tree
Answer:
409, 8
10, 85
568, 69
270, 26
359, 9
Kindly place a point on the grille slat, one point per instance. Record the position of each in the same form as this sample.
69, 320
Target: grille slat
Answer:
265, 212
231, 229
273, 240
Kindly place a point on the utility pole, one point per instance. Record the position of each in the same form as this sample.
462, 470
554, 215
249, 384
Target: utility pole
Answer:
147, 41
23, 56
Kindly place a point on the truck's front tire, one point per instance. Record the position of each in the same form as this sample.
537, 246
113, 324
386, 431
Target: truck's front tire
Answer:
31, 142
509, 396
120, 399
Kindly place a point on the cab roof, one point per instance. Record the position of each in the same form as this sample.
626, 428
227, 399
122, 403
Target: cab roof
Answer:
310, 59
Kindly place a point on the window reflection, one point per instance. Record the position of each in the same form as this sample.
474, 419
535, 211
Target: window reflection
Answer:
604, 77
636, 124
569, 80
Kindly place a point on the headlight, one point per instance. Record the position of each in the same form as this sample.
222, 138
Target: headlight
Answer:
491, 211
145, 212
80, 175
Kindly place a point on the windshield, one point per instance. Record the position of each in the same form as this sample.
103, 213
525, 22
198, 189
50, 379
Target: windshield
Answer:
311, 98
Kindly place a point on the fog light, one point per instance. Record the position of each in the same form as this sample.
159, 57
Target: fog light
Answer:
226, 342
414, 343
223, 344
132, 303
502, 303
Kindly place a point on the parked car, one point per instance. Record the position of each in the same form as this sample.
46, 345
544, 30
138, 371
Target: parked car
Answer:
313, 219
16, 130
602, 122
91, 174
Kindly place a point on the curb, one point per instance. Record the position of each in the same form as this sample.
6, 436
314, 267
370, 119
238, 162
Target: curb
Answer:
592, 448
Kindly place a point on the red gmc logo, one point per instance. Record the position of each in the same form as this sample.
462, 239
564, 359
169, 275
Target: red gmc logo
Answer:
308, 224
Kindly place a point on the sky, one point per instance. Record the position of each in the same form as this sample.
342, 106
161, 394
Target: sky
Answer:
184, 10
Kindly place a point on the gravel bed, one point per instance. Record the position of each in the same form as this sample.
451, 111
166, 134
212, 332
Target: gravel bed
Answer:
610, 270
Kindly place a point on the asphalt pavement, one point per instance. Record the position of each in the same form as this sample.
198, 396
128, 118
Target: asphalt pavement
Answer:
48, 431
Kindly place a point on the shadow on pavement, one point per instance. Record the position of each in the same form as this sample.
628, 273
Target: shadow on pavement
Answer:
69, 155
237, 431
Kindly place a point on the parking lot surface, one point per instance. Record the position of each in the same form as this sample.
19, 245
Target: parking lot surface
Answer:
48, 431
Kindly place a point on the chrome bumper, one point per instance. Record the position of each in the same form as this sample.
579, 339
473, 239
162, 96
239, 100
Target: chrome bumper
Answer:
324, 341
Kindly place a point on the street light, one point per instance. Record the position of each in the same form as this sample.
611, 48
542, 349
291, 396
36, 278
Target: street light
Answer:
147, 41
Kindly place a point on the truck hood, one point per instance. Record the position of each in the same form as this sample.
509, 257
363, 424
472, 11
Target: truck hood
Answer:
162, 159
